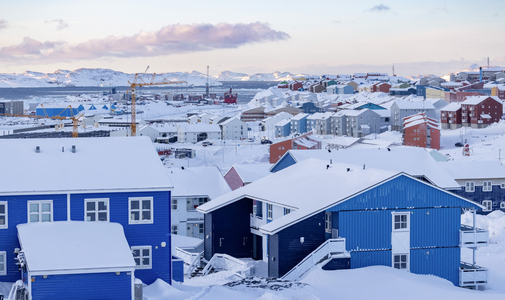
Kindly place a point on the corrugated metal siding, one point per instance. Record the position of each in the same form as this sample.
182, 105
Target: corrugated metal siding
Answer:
497, 195
441, 262
273, 251
286, 161
138, 234
362, 259
401, 192
366, 230
18, 214
231, 224
435, 227
83, 286
291, 250
178, 270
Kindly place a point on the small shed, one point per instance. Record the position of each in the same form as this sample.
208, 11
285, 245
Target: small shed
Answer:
76, 260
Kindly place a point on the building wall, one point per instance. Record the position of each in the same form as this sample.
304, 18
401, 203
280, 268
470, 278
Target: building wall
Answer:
277, 150
233, 179
497, 194
417, 136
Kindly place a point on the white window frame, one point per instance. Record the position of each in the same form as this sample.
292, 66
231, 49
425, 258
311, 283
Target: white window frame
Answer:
400, 221
39, 202
407, 262
5, 215
502, 205
270, 211
469, 186
140, 221
174, 229
96, 211
141, 265
502, 185
488, 205
173, 204
327, 222
487, 186
3, 262
201, 228
287, 211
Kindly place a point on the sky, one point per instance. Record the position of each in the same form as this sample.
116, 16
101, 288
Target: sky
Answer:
314, 37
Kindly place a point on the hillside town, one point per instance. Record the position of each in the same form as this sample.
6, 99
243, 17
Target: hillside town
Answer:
156, 193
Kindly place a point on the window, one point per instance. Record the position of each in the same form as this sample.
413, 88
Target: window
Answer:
400, 261
401, 221
200, 228
96, 209
3, 263
4, 222
488, 205
201, 201
469, 186
287, 211
141, 210
40, 211
174, 204
327, 222
486, 186
174, 229
270, 211
142, 257
502, 205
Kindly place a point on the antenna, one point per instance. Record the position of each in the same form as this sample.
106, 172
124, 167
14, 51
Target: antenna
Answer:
207, 86
393, 70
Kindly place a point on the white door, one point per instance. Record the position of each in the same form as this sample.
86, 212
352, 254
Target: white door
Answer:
400, 240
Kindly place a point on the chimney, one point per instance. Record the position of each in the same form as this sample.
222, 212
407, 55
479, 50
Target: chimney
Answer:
37, 149
73, 149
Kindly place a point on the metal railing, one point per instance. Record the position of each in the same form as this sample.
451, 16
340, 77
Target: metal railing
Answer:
222, 262
191, 260
325, 251
472, 275
468, 237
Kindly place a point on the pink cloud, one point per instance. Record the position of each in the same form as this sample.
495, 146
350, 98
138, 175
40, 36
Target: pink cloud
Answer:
3, 24
172, 39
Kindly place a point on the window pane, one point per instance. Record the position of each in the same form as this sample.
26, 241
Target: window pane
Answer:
397, 258
90, 217
397, 218
403, 265
135, 204
397, 225
2, 220
46, 218
137, 261
136, 252
404, 225
34, 218
135, 216
90, 206
404, 258
145, 252
145, 261
2, 209
146, 215
46, 207
404, 218
102, 205
146, 204
34, 207
102, 216
2, 266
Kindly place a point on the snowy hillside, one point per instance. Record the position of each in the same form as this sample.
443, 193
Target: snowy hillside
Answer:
95, 77
275, 76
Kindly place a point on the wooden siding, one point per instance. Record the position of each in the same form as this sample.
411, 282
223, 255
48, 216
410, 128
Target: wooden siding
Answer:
360, 259
83, 286
233, 179
177, 269
286, 161
497, 195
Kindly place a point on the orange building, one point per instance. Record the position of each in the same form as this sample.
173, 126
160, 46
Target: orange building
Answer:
421, 131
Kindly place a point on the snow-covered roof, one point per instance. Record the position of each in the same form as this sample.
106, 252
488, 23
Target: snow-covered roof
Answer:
473, 100
342, 141
299, 117
383, 113
198, 181
283, 122
200, 127
74, 245
252, 172
229, 121
414, 105
164, 128
474, 169
184, 242
454, 106
103, 163
305, 142
411, 160
421, 121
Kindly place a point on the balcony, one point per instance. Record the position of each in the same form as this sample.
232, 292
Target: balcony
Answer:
194, 215
470, 238
257, 221
472, 276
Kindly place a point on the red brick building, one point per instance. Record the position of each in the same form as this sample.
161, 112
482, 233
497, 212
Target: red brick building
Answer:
450, 116
296, 86
303, 142
421, 131
459, 96
480, 111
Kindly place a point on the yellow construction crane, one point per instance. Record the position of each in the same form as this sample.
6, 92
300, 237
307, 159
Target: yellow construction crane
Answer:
137, 83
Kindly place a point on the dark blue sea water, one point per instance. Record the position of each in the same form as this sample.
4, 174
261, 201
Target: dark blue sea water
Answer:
245, 89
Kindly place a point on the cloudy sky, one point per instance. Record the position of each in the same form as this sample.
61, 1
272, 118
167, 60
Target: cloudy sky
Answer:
316, 37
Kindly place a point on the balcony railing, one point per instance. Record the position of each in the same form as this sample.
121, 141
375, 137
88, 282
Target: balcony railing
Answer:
257, 221
470, 238
472, 275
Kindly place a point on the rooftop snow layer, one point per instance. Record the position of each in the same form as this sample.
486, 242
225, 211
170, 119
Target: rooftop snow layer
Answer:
474, 169
74, 245
114, 163
198, 181
472, 100
414, 104
454, 106
252, 172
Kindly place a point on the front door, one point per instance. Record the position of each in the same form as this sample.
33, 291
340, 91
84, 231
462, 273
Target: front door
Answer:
400, 240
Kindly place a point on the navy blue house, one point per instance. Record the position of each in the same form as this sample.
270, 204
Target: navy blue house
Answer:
118, 180
366, 216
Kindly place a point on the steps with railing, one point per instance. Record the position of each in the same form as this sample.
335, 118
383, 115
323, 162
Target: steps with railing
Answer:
191, 260
329, 249
225, 262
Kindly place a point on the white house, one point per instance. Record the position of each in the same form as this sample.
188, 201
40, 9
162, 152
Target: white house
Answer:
233, 129
193, 187
164, 131
193, 133
269, 123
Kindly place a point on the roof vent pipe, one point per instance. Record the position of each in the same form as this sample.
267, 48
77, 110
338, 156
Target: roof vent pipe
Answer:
363, 167
62, 149
73, 149
37, 149
348, 169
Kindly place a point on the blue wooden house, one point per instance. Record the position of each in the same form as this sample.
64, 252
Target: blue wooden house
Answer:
283, 128
299, 124
118, 180
344, 89
347, 216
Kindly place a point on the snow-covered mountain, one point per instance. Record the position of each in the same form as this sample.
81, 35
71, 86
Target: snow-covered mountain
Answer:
275, 76
95, 77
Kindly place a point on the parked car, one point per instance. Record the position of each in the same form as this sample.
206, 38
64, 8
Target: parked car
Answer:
266, 141
207, 143
458, 144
